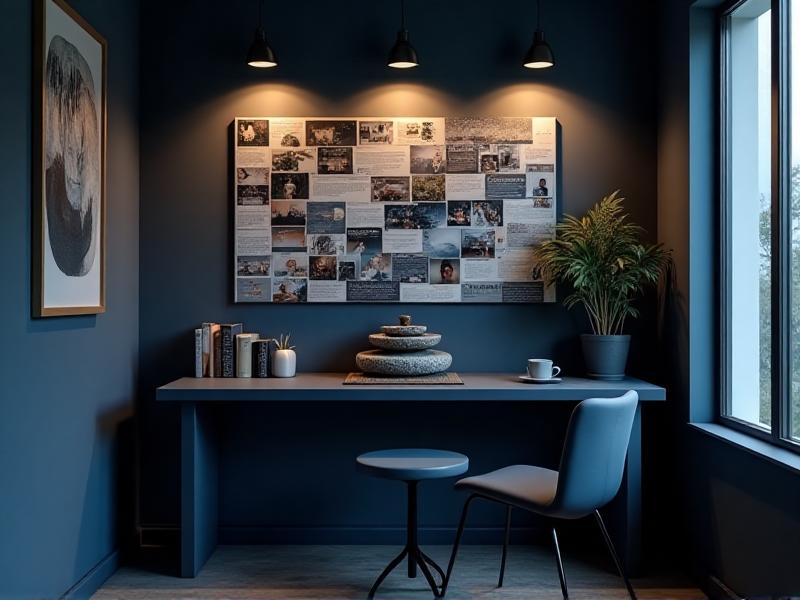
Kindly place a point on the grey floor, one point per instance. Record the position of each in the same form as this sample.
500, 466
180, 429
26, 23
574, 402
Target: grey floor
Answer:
347, 572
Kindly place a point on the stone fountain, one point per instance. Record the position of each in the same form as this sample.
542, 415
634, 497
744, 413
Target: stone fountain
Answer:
404, 350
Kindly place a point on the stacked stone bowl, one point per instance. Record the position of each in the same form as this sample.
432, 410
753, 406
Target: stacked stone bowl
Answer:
404, 351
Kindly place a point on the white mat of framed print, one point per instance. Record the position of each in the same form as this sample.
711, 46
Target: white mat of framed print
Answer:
68, 275
393, 209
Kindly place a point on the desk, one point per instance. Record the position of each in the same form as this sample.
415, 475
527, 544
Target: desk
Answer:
199, 455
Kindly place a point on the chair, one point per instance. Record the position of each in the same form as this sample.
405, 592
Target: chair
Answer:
412, 465
589, 476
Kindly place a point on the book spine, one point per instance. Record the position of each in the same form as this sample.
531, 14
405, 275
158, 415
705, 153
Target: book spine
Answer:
207, 347
216, 344
244, 355
260, 352
229, 333
198, 352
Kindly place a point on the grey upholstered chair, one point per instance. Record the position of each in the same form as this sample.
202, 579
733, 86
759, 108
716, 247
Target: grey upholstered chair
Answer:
589, 477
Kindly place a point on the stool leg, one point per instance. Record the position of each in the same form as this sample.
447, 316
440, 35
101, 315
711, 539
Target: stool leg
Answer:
427, 573
433, 564
411, 524
389, 568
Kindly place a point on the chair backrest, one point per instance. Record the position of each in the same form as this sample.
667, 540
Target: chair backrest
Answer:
594, 454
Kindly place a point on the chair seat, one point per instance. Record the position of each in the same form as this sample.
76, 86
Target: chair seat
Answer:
413, 464
525, 486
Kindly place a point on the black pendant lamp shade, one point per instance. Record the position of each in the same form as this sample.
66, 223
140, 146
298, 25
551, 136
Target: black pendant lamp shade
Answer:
260, 54
540, 54
402, 55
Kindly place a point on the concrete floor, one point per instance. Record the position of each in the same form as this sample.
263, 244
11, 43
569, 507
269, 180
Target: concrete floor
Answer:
347, 572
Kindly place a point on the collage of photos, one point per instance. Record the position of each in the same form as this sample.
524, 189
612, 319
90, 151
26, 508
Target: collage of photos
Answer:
403, 209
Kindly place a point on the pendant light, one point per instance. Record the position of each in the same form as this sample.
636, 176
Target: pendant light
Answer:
402, 55
540, 55
260, 54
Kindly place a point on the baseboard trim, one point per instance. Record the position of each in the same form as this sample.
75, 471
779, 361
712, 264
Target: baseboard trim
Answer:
368, 535
91, 582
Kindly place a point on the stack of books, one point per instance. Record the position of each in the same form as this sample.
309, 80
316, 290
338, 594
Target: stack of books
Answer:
224, 350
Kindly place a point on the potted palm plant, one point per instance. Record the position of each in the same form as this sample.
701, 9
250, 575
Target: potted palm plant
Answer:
602, 258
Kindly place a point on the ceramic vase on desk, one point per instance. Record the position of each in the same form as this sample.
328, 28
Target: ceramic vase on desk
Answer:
284, 360
605, 355
284, 363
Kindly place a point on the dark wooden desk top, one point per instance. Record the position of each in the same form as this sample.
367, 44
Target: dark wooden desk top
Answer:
329, 387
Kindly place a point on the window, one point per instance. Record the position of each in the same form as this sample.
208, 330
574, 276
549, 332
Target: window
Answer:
793, 60
760, 184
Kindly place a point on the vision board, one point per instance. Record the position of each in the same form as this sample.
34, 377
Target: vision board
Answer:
393, 209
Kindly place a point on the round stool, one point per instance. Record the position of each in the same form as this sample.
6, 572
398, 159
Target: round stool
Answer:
412, 465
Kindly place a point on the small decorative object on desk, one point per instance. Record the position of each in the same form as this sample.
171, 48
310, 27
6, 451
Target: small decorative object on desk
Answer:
209, 343
404, 351
220, 348
541, 370
229, 333
198, 352
244, 354
602, 257
260, 355
284, 361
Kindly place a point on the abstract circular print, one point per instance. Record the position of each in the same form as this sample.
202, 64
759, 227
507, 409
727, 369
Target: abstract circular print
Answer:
72, 159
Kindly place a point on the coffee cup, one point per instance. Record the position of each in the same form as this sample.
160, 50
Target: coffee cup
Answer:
542, 368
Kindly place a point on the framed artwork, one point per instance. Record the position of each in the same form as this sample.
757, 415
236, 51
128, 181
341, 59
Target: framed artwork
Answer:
69, 196
393, 209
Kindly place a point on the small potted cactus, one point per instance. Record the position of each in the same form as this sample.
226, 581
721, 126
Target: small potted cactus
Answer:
284, 359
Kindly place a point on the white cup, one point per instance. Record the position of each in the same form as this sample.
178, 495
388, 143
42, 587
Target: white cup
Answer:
542, 368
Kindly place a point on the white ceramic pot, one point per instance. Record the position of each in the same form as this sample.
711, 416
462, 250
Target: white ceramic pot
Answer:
284, 363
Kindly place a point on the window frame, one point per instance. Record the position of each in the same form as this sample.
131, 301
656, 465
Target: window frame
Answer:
779, 432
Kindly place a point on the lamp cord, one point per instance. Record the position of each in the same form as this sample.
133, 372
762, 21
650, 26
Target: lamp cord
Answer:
402, 14
260, 21
538, 15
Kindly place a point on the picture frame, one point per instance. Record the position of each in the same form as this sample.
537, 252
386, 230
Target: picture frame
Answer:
69, 163
392, 209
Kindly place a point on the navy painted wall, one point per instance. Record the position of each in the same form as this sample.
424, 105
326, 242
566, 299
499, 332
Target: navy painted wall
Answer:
737, 513
68, 384
194, 82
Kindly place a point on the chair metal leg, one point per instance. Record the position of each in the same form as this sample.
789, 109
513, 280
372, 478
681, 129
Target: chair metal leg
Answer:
457, 542
611, 549
389, 568
561, 576
505, 547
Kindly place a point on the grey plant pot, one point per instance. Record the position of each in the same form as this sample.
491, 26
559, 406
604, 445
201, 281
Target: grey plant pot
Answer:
605, 355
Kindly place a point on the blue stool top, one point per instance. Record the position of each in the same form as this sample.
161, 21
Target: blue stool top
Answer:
413, 464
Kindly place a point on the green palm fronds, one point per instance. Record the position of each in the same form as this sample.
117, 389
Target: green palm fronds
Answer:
603, 259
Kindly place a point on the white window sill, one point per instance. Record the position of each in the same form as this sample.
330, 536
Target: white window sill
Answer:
774, 454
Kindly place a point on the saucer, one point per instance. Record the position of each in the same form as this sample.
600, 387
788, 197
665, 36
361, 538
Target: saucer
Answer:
528, 379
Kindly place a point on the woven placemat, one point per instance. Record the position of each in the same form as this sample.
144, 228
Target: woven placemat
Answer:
435, 379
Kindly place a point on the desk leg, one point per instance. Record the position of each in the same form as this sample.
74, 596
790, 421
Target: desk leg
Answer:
625, 512
199, 487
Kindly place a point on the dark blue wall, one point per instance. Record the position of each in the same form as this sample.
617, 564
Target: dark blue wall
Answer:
331, 62
68, 384
737, 512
